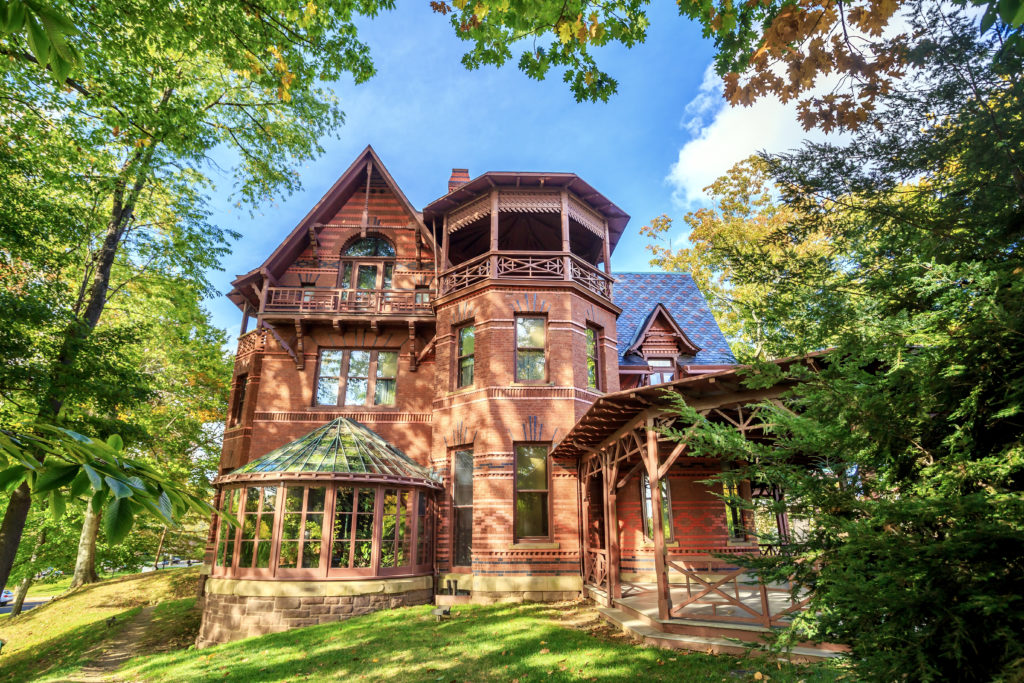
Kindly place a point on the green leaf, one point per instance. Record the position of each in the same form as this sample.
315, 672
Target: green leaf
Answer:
118, 488
94, 478
15, 18
37, 41
1012, 11
115, 442
54, 476
61, 68
98, 499
80, 485
12, 477
118, 519
988, 19
57, 505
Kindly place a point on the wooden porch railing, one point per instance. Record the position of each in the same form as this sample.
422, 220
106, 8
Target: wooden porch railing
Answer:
314, 300
595, 567
749, 599
251, 342
506, 265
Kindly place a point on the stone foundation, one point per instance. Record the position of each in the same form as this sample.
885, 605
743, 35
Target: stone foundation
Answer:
241, 609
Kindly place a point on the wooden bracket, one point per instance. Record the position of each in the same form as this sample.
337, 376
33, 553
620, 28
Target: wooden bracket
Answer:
300, 346
312, 240
284, 345
340, 327
427, 349
412, 346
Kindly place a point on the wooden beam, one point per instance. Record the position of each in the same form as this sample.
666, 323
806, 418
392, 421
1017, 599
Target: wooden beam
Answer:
446, 238
412, 346
612, 529
366, 201
565, 233
636, 468
658, 527
605, 250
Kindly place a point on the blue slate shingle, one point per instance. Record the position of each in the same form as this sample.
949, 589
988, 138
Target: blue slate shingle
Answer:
638, 293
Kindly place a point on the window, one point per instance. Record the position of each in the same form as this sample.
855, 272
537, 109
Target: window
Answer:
257, 527
593, 358
422, 295
302, 527
531, 514
462, 496
369, 377
530, 349
662, 370
240, 386
226, 540
424, 529
352, 545
464, 356
648, 506
395, 534
371, 246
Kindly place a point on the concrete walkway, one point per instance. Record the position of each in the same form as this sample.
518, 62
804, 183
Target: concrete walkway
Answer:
112, 654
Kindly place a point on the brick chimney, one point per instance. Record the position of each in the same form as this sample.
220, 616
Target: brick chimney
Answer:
460, 176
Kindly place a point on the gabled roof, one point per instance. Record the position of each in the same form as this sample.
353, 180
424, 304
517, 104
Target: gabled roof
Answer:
325, 209
639, 295
341, 449
686, 345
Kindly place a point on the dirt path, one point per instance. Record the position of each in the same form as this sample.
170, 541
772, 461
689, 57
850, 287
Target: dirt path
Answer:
114, 653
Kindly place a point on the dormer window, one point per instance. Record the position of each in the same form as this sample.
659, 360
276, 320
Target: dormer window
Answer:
662, 370
366, 266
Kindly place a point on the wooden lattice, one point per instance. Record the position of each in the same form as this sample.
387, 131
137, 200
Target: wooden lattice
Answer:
464, 215
529, 201
585, 216
531, 267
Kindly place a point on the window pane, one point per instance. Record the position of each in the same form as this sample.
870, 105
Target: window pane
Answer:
269, 499
384, 392
313, 529
366, 500
252, 499
387, 364
293, 499
592, 358
355, 392
343, 499
366, 277
289, 557
346, 276
466, 372
263, 555
363, 553
265, 527
389, 270
330, 363
311, 555
464, 536
530, 332
463, 477
467, 340
317, 495
371, 246
531, 467
327, 391
340, 555
245, 558
531, 514
359, 364
529, 366
290, 530
343, 528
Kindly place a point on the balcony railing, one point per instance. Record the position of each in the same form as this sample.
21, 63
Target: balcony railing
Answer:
327, 301
509, 265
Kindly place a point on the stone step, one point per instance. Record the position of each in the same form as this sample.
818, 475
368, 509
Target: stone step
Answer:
650, 635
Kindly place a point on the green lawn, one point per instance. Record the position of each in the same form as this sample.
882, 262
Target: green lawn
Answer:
529, 642
55, 639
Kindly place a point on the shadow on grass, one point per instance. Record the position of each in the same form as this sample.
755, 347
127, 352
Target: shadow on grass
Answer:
64, 653
479, 643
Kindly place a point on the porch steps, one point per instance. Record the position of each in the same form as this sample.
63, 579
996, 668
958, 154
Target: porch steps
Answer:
642, 630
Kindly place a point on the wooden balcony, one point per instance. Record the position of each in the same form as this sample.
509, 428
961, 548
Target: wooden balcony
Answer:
331, 302
511, 265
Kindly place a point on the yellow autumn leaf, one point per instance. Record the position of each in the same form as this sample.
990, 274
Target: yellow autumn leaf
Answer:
564, 32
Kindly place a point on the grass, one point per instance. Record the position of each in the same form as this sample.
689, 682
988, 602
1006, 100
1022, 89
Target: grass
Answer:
528, 642
57, 638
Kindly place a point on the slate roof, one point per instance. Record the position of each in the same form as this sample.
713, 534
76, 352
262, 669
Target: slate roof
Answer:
638, 293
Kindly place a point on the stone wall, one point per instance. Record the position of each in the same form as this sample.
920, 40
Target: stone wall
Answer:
228, 617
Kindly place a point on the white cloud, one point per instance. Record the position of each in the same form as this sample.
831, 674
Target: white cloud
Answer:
722, 135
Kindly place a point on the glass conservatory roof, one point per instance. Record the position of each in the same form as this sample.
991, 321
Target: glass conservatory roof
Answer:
342, 446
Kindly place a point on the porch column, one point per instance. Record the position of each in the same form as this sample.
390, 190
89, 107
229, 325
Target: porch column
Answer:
245, 320
565, 234
445, 238
611, 526
660, 569
494, 219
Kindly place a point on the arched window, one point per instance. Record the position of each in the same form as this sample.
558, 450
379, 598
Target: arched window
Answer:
371, 246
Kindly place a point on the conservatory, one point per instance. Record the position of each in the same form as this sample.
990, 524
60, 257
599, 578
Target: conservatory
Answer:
334, 524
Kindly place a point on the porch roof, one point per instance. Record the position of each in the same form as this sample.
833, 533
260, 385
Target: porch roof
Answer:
615, 413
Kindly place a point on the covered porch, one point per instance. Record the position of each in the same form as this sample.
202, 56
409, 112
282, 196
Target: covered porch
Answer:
659, 577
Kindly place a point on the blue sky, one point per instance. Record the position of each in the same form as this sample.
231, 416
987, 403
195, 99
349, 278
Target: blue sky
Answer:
650, 149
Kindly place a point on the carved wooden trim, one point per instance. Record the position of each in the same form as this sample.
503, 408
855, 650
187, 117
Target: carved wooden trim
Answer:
466, 214
528, 201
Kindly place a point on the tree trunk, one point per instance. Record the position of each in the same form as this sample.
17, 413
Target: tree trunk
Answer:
159, 549
11, 529
26, 583
85, 563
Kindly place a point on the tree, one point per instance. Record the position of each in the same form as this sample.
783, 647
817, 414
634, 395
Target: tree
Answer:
905, 450
775, 47
746, 217
122, 148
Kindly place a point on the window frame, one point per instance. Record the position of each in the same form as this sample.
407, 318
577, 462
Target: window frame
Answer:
597, 357
343, 377
515, 344
455, 506
516, 491
299, 570
459, 358
673, 365
666, 506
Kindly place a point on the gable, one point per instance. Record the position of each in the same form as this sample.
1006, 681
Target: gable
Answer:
660, 335
639, 296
